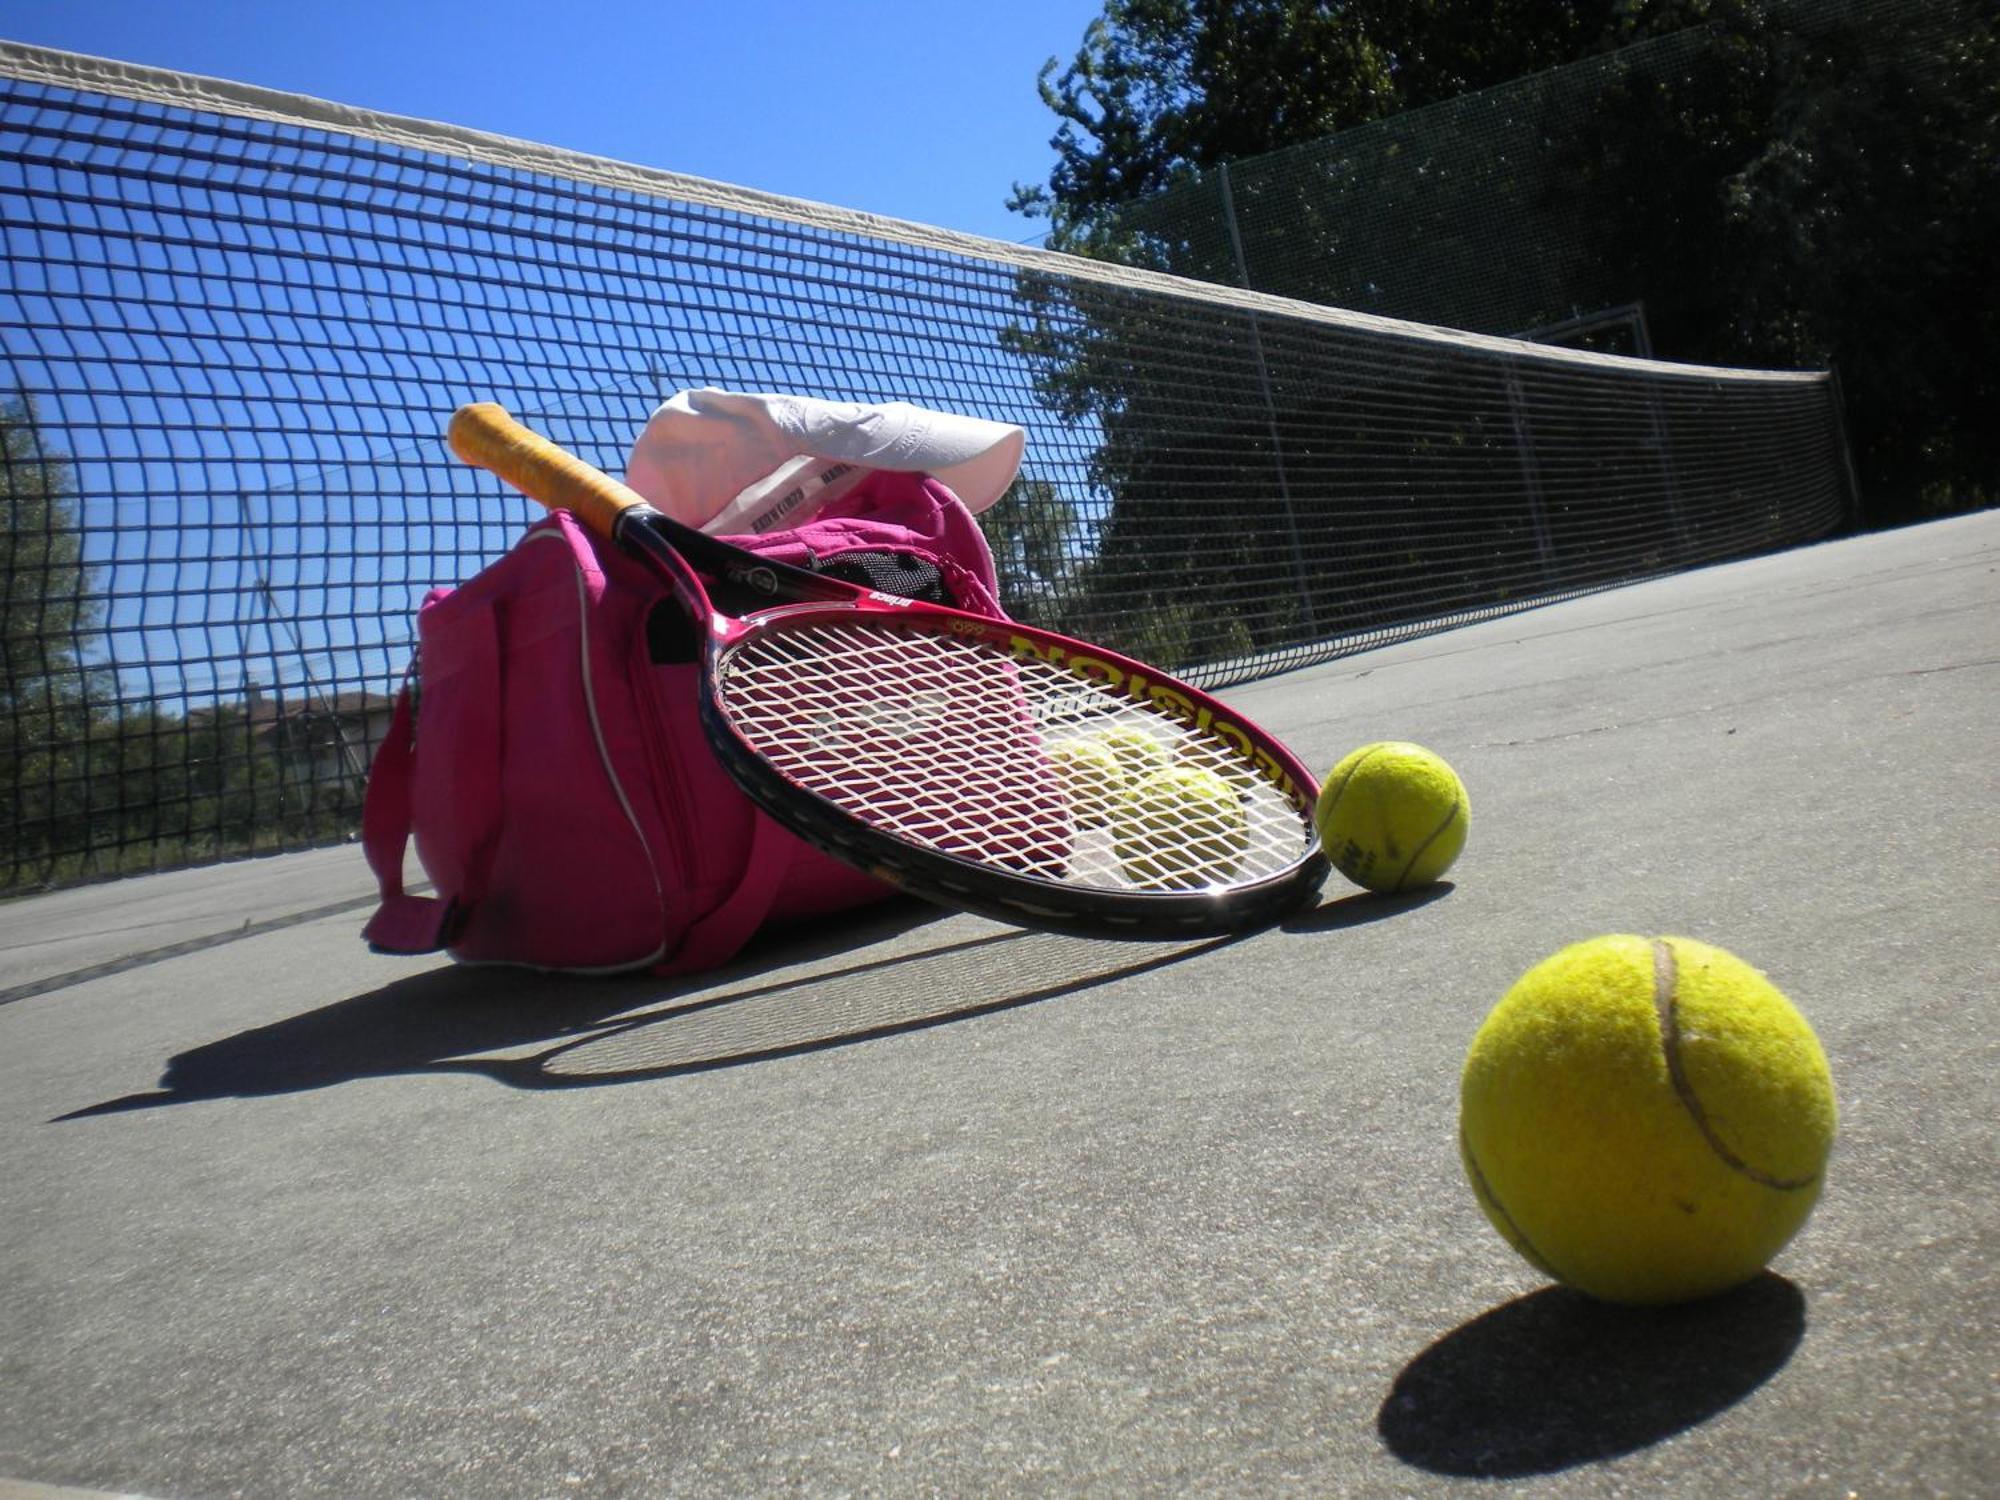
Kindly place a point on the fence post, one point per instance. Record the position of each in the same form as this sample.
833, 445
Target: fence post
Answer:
1270, 406
1531, 472
1851, 511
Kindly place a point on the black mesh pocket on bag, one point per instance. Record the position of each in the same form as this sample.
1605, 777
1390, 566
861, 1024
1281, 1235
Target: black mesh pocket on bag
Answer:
888, 573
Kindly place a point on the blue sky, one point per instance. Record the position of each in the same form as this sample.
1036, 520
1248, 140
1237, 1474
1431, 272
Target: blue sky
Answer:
925, 112
919, 109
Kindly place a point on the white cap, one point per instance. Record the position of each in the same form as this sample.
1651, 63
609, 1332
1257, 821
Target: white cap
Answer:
730, 462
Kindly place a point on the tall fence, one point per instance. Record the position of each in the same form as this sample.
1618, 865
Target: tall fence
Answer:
1513, 209
1486, 212
233, 325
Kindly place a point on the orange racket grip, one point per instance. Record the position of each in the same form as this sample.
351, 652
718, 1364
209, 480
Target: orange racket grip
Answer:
483, 434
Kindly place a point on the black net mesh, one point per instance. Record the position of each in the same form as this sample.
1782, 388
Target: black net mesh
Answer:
232, 329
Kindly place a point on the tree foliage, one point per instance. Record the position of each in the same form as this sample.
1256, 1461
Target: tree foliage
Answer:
1814, 184
1161, 88
47, 615
1823, 189
92, 783
1033, 531
48, 620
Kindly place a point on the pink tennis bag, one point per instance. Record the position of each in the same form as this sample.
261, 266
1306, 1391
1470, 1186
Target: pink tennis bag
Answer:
547, 757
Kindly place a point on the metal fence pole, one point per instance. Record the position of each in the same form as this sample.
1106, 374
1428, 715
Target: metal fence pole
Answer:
1851, 511
1270, 405
1531, 472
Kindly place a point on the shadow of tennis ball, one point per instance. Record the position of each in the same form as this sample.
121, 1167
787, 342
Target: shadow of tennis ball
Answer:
1557, 1379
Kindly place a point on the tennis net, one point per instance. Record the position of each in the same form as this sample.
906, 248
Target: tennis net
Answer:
234, 323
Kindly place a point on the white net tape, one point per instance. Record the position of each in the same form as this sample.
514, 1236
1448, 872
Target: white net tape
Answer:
953, 745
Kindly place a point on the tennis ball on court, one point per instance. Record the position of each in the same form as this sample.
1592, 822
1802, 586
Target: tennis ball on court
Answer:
1180, 829
1392, 816
1139, 751
1646, 1119
1091, 776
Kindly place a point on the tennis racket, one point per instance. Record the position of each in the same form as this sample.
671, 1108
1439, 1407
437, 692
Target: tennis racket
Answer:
976, 763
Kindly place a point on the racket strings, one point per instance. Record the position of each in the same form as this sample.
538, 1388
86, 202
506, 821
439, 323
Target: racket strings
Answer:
952, 744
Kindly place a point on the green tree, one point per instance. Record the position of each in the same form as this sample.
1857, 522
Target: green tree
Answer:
1819, 187
49, 616
1207, 551
48, 622
1162, 88
91, 783
1799, 184
1035, 535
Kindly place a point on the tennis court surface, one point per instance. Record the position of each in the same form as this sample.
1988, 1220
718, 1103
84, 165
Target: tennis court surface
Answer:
919, 1204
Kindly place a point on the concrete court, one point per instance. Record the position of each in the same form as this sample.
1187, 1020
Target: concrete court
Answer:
921, 1205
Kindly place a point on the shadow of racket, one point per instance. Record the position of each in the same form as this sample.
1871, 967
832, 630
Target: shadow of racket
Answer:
804, 990
859, 1003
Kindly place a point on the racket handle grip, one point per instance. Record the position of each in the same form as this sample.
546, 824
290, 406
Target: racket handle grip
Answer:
483, 434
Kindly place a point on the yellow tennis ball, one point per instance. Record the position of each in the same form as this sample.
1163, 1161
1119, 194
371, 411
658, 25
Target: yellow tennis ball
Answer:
1091, 775
1181, 828
1139, 751
1220, 757
1646, 1119
1392, 816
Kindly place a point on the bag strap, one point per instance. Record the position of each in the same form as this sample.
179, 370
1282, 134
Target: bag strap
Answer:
402, 923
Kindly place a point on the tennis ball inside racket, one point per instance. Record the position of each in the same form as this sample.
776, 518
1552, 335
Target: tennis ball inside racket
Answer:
1138, 749
1180, 828
1090, 774
1219, 757
1392, 816
1646, 1119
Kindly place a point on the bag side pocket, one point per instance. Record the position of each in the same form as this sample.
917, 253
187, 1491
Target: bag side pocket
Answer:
456, 783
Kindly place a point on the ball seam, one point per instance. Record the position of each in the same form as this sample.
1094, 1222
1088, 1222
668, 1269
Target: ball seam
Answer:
1435, 834
1333, 801
1666, 1005
1527, 1248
